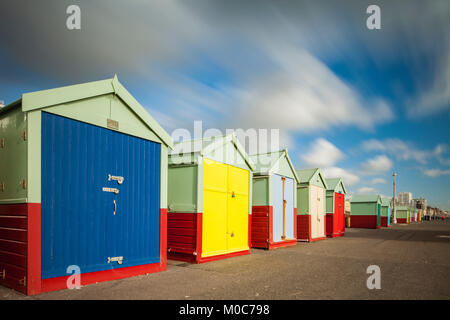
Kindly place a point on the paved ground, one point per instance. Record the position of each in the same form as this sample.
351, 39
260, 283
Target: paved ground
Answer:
414, 262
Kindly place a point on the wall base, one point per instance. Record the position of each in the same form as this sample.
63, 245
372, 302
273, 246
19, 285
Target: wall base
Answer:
363, 221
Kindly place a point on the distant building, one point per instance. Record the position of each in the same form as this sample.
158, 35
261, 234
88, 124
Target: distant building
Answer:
405, 198
2, 103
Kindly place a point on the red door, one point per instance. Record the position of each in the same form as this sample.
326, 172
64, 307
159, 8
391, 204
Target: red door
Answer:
339, 213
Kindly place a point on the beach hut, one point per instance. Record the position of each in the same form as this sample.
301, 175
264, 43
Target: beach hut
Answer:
402, 213
335, 207
209, 200
83, 175
274, 210
386, 212
311, 205
413, 214
347, 213
366, 211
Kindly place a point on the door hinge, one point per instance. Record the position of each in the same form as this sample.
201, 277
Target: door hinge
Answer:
23, 282
24, 135
2, 186
3, 274
24, 183
119, 260
2, 143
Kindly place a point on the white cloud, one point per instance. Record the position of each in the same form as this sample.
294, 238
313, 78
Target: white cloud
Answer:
302, 94
322, 154
378, 181
378, 164
436, 172
335, 172
401, 150
366, 190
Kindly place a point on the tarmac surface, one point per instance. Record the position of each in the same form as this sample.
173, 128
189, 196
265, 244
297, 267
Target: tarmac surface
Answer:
414, 261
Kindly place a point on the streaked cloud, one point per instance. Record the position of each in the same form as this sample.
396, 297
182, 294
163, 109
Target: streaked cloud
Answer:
348, 177
378, 181
400, 149
436, 172
367, 190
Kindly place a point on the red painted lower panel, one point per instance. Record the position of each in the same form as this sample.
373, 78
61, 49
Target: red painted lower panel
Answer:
100, 276
184, 236
384, 221
260, 226
401, 220
14, 221
34, 249
303, 227
223, 256
286, 243
363, 221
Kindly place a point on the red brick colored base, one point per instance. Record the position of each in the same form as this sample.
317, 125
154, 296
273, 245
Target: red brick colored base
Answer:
384, 222
363, 221
401, 220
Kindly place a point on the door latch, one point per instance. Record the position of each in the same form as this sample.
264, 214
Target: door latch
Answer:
3, 274
115, 259
119, 179
105, 189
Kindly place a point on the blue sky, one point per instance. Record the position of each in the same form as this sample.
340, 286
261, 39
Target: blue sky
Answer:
358, 103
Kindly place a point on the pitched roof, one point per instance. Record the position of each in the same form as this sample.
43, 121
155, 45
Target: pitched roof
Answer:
365, 198
386, 202
265, 163
305, 175
208, 145
51, 97
334, 182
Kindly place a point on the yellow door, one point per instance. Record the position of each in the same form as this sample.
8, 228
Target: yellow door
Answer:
215, 196
238, 189
225, 209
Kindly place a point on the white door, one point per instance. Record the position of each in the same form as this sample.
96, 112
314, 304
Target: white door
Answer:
317, 212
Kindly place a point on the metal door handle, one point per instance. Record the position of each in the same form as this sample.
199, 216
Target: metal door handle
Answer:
115, 207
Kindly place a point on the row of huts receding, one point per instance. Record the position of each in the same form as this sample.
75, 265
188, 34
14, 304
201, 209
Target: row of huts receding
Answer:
86, 170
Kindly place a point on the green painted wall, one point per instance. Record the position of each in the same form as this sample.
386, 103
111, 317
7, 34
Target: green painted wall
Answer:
260, 192
13, 156
329, 201
363, 208
98, 109
316, 180
339, 188
384, 211
283, 168
228, 154
402, 213
302, 200
182, 188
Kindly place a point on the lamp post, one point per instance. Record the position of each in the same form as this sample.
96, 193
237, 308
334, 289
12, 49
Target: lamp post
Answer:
393, 201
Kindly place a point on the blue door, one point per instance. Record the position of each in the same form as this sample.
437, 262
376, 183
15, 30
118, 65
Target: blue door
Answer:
277, 198
100, 198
